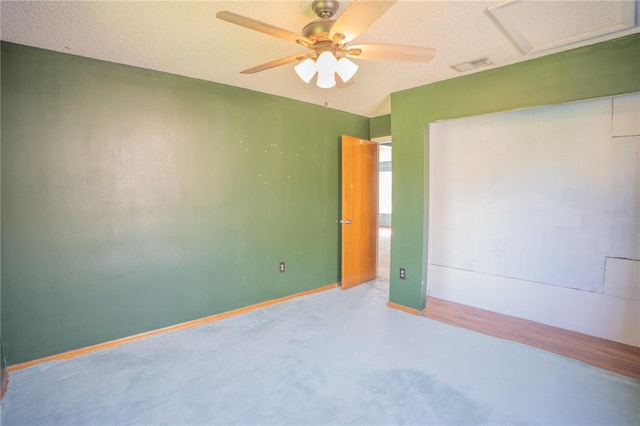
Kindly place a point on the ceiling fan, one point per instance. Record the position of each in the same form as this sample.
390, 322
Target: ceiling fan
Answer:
329, 41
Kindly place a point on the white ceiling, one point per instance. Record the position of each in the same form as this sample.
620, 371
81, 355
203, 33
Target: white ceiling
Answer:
185, 38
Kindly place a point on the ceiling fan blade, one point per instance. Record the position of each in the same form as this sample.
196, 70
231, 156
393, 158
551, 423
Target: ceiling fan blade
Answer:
391, 52
357, 18
252, 24
276, 63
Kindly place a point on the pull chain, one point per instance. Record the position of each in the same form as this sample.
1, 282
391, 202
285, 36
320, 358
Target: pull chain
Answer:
326, 102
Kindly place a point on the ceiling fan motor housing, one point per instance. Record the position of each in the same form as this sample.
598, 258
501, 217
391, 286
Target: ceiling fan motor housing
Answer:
318, 30
325, 9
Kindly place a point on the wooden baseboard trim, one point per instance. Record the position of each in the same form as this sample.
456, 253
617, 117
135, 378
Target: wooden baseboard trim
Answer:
217, 317
5, 380
403, 308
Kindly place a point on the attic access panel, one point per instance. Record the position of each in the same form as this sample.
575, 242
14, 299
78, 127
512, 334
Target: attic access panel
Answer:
535, 26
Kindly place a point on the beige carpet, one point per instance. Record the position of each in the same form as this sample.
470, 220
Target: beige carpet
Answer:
331, 358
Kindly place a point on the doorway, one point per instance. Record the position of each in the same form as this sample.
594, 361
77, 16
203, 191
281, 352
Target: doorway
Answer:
384, 210
366, 211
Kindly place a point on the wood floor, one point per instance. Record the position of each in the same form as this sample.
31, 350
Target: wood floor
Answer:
613, 356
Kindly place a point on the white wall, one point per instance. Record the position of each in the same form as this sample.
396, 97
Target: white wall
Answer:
535, 214
384, 185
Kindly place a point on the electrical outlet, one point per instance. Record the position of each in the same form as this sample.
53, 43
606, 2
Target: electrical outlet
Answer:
403, 274
281, 266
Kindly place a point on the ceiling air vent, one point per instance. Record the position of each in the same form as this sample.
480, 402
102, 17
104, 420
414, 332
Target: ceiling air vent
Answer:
468, 66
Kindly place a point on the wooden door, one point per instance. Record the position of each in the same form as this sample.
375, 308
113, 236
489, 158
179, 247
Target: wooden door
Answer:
359, 211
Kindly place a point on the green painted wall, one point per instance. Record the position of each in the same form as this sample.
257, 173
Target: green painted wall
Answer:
134, 200
2, 360
380, 126
604, 69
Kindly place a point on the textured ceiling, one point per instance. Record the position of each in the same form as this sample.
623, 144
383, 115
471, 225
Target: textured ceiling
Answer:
185, 38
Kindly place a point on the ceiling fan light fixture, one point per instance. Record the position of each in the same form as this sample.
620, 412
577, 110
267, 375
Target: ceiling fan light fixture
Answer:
306, 70
327, 65
326, 80
346, 69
